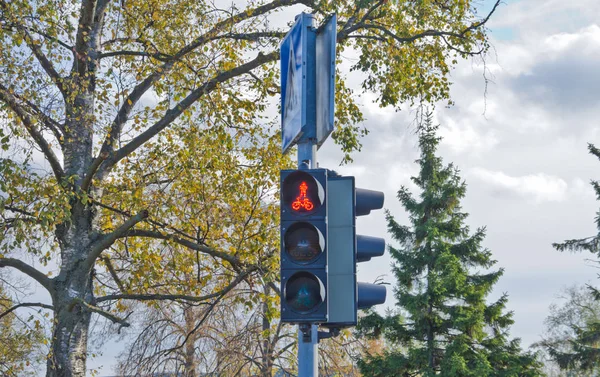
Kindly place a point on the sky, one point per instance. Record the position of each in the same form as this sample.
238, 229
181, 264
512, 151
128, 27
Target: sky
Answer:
521, 147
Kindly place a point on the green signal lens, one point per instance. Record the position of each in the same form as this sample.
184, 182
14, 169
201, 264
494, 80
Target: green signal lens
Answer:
304, 292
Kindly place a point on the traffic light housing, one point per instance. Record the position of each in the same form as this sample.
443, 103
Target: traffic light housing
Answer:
320, 248
346, 248
303, 206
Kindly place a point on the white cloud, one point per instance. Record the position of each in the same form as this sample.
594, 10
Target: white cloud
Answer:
542, 92
533, 18
585, 40
518, 58
541, 187
582, 188
466, 136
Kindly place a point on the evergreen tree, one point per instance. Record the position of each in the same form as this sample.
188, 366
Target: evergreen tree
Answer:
592, 243
443, 280
581, 350
570, 329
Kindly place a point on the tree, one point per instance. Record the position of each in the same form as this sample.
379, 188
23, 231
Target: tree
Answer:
565, 341
578, 346
443, 278
103, 106
20, 340
236, 339
592, 243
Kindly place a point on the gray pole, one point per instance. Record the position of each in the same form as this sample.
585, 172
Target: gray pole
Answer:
308, 357
308, 338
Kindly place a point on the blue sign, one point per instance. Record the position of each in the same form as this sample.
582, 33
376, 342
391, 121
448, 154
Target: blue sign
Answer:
293, 82
325, 79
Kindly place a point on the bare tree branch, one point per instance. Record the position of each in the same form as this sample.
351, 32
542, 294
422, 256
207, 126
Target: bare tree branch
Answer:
463, 52
241, 16
30, 271
158, 56
219, 297
10, 222
372, 9
108, 239
115, 131
173, 113
150, 221
176, 297
97, 310
372, 37
187, 243
484, 21
18, 210
166, 58
352, 26
412, 38
39, 54
113, 273
12, 102
275, 288
41, 33
28, 305
52, 124
254, 36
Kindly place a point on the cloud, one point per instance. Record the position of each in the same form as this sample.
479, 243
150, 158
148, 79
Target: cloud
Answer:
539, 111
540, 187
564, 74
532, 18
466, 137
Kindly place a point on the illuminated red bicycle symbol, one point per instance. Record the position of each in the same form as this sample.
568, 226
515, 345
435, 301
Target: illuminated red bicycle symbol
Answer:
302, 201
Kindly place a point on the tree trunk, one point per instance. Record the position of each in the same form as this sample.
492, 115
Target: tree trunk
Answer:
72, 292
73, 287
191, 364
69, 344
267, 359
72, 320
430, 334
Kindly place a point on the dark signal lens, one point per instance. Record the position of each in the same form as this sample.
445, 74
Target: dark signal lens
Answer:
304, 292
303, 242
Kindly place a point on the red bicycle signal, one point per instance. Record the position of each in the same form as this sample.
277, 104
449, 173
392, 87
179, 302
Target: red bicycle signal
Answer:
302, 201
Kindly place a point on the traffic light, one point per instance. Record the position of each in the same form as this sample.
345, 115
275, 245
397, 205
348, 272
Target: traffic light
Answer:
368, 247
320, 248
345, 248
304, 246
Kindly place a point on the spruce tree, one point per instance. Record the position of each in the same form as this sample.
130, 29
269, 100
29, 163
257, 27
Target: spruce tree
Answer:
581, 351
443, 278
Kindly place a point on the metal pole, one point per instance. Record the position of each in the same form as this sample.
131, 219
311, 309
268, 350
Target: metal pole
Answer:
308, 350
307, 155
308, 337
